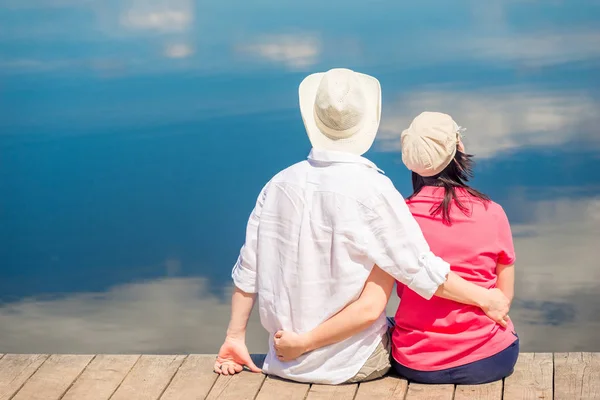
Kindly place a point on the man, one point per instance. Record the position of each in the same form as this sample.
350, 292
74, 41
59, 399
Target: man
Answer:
320, 230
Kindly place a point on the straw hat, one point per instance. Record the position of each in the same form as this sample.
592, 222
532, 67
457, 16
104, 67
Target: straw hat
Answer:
430, 143
341, 110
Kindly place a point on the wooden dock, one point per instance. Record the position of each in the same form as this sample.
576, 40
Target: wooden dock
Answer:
561, 376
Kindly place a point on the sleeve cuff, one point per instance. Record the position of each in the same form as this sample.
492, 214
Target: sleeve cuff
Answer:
507, 260
243, 278
433, 272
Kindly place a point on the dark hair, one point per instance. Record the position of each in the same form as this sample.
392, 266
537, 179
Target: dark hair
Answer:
452, 178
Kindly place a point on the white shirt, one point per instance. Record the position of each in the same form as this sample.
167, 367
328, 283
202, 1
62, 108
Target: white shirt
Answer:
317, 229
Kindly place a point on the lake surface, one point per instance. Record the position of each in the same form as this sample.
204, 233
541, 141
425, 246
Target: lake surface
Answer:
135, 136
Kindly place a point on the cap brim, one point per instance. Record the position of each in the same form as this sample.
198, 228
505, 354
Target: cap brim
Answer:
361, 141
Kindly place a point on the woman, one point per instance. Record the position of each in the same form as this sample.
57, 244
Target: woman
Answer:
441, 341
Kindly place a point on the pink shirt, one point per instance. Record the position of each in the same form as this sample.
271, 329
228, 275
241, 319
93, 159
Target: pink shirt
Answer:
436, 334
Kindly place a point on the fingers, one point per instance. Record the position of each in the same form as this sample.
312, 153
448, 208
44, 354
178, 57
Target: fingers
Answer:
276, 339
251, 366
228, 368
503, 321
231, 369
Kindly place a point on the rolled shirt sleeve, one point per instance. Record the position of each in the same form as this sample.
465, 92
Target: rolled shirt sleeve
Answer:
244, 271
397, 245
244, 276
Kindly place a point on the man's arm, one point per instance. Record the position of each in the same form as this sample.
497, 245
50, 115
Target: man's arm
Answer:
234, 354
398, 246
354, 318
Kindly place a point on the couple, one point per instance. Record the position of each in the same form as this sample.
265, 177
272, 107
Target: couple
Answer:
329, 236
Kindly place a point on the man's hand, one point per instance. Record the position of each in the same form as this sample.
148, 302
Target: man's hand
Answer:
232, 358
497, 306
289, 345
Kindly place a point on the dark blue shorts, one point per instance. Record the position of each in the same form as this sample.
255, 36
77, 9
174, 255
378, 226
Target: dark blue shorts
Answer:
490, 369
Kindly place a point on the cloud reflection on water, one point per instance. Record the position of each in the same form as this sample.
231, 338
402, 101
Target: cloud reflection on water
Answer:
499, 119
295, 51
491, 35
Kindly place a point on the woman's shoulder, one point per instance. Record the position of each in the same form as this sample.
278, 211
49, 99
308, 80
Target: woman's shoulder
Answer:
494, 207
496, 211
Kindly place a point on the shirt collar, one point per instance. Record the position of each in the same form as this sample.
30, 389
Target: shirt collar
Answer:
334, 157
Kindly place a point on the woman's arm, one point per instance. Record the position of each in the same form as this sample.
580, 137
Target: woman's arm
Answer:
506, 280
353, 319
492, 302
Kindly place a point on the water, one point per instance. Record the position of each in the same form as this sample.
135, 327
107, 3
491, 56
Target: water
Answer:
136, 135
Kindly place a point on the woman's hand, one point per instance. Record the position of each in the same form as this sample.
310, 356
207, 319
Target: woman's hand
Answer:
290, 345
497, 306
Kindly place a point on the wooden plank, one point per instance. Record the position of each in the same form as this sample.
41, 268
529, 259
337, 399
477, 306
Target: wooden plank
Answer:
275, 389
54, 377
532, 378
15, 369
148, 378
576, 376
388, 388
488, 391
242, 386
101, 377
327, 392
417, 391
194, 379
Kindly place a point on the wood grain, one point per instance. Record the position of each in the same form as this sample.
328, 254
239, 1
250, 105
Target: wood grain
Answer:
243, 386
54, 377
194, 379
418, 391
388, 388
148, 378
327, 392
488, 391
15, 370
576, 376
274, 388
101, 377
532, 378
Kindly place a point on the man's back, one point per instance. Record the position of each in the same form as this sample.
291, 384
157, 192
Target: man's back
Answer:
311, 258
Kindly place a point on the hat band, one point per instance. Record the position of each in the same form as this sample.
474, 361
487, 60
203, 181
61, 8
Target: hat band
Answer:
335, 134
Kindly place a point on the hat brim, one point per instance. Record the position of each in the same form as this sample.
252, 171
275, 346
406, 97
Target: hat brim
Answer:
361, 141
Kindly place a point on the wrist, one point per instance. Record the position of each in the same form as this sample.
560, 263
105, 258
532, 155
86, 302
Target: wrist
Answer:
307, 342
236, 334
482, 298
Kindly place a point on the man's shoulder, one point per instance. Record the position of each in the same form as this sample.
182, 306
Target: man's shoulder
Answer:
291, 172
358, 182
365, 185
375, 180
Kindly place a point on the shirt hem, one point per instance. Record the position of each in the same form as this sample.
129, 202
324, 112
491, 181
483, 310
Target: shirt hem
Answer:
503, 345
307, 378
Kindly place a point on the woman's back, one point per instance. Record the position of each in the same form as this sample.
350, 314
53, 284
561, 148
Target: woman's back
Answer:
437, 334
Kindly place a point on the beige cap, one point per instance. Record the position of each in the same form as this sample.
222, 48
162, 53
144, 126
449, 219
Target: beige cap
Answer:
430, 142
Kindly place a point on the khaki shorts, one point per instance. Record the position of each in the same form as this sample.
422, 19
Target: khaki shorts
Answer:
378, 363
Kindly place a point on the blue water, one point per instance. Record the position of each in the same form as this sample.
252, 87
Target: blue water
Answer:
136, 135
